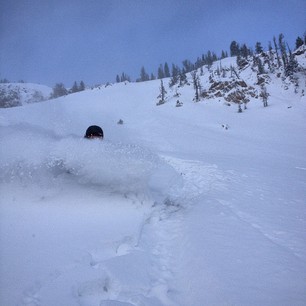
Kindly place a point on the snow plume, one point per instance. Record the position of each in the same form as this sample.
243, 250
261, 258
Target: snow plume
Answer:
24, 150
115, 166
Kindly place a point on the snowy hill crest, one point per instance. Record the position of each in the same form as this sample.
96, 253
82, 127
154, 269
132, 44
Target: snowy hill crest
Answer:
235, 80
17, 94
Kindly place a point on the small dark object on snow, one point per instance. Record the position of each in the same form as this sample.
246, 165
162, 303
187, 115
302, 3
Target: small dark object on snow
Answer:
225, 126
179, 103
94, 131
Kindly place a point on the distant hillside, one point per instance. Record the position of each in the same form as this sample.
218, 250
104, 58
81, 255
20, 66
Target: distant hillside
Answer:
237, 80
17, 94
241, 80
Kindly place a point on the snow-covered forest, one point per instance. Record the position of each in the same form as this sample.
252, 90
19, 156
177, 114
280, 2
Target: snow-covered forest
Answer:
196, 195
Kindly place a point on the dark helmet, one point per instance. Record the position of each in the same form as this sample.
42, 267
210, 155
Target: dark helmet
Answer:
94, 131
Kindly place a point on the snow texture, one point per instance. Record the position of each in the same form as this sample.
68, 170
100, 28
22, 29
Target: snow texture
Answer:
196, 205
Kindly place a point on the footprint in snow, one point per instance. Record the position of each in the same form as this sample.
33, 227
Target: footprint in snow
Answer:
30, 296
113, 249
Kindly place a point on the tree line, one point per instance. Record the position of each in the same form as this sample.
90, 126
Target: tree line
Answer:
60, 90
279, 59
242, 51
177, 73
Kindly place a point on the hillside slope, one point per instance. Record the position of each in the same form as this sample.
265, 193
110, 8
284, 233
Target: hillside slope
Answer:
17, 94
191, 205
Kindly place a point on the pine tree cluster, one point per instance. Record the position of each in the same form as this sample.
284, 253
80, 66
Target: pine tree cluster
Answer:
60, 90
242, 52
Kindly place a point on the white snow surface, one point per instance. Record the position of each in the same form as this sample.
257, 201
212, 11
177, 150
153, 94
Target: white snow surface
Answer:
170, 208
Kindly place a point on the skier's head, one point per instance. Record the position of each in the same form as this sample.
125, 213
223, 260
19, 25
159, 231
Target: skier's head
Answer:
94, 131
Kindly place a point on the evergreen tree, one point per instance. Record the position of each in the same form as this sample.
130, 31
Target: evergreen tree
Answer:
224, 54
199, 63
283, 50
214, 57
160, 72
209, 59
167, 71
257, 62
182, 78
258, 48
187, 66
82, 86
117, 79
292, 66
59, 90
124, 77
175, 75
234, 48
197, 86
244, 51
299, 42
162, 95
74, 88
271, 58
276, 51
175, 70
143, 75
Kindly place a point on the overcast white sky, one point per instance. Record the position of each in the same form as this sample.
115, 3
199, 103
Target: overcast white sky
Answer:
52, 41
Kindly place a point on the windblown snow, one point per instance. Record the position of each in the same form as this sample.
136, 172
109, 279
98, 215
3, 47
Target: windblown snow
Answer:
193, 205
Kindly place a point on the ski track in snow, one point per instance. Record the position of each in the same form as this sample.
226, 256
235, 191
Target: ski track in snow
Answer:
91, 231
271, 236
162, 227
102, 287
158, 235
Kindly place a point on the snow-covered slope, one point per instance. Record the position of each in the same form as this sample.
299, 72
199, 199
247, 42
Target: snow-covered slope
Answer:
17, 94
192, 205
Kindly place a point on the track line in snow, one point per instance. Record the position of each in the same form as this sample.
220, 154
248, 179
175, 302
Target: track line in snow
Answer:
271, 236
